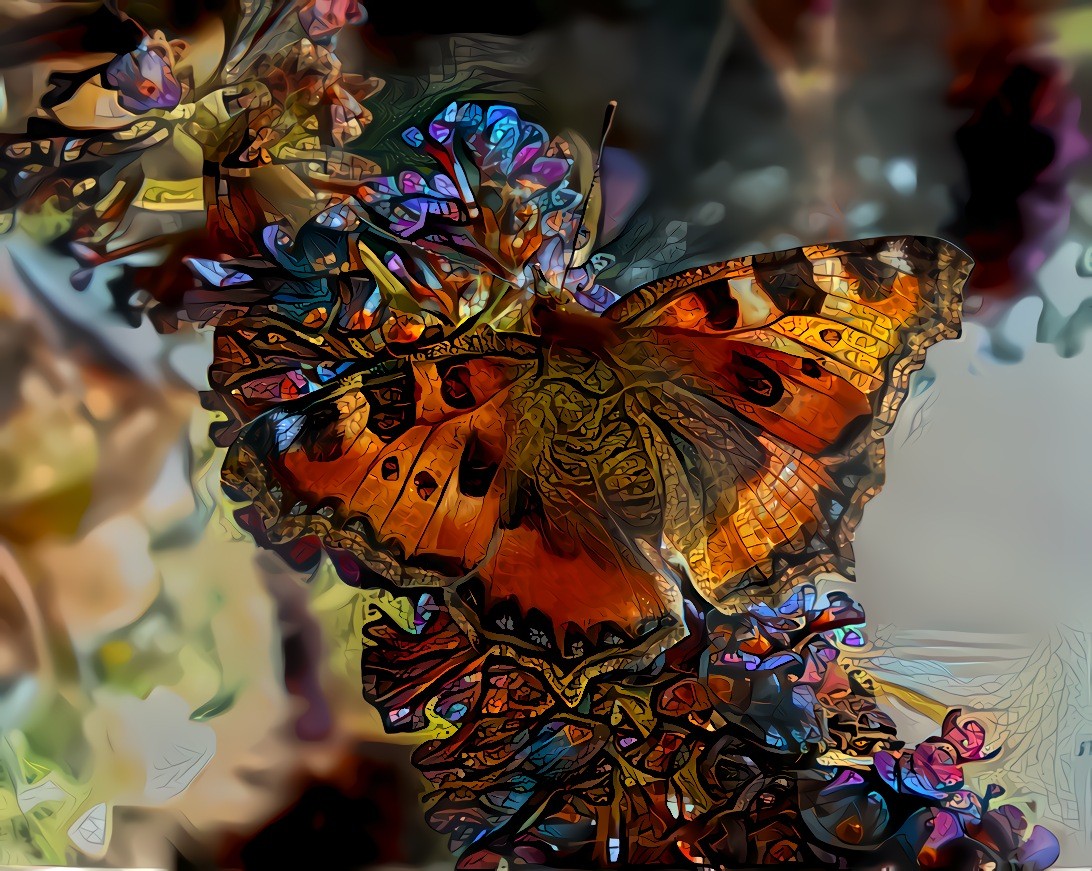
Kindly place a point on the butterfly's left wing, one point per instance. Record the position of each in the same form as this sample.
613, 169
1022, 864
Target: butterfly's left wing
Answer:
769, 383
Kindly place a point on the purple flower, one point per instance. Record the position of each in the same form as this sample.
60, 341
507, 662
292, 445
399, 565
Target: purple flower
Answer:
494, 221
935, 767
144, 78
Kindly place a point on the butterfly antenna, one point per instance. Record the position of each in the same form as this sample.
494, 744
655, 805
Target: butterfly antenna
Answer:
608, 119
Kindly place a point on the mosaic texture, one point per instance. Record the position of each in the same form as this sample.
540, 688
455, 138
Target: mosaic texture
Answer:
600, 509
608, 525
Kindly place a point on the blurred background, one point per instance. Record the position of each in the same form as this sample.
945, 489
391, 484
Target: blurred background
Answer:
172, 697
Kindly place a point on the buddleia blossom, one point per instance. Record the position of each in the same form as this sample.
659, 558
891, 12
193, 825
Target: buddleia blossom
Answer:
962, 823
786, 656
145, 78
271, 125
934, 767
911, 806
495, 219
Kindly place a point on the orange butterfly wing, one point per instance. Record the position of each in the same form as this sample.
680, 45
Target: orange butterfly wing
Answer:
796, 361
422, 475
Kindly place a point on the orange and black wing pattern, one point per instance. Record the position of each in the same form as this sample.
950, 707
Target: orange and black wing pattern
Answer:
773, 379
562, 485
441, 469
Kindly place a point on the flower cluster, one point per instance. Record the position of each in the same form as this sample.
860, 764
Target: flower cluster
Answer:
934, 767
496, 221
776, 669
963, 821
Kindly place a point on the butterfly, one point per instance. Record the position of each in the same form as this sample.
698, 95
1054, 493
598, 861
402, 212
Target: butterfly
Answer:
565, 487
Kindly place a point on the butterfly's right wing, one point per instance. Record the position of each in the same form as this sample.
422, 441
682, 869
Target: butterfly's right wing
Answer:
773, 379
